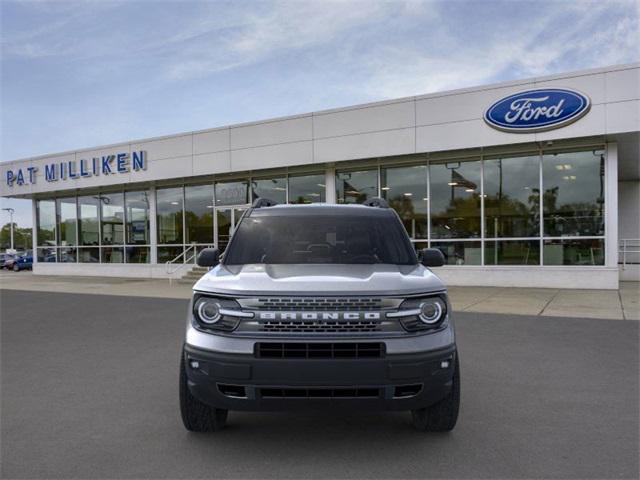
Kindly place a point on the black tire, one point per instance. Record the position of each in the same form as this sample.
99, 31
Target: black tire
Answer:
198, 416
442, 416
16, 268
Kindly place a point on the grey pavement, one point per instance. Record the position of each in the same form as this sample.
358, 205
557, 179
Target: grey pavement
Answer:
90, 390
620, 304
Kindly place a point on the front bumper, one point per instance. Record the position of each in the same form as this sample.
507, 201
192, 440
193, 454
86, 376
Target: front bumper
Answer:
403, 381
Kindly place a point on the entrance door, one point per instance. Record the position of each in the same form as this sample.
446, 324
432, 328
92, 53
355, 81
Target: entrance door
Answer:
227, 219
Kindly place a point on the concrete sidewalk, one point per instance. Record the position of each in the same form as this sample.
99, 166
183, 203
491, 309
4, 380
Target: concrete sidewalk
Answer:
623, 304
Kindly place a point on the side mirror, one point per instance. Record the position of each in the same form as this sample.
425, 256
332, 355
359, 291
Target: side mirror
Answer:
208, 257
431, 257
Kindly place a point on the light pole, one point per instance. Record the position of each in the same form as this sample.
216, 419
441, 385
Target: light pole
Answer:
11, 212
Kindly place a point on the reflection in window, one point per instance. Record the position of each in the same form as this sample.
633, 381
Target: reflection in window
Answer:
512, 197
112, 255
67, 213
455, 200
137, 218
89, 255
232, 193
112, 217
272, 188
573, 198
512, 252
356, 187
460, 253
88, 221
166, 254
307, 188
169, 207
198, 213
67, 254
46, 217
137, 254
405, 188
47, 255
573, 252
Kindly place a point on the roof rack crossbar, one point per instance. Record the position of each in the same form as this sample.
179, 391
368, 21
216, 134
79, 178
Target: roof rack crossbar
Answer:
263, 202
376, 202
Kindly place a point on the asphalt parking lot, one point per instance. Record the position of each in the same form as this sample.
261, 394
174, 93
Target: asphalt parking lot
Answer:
90, 390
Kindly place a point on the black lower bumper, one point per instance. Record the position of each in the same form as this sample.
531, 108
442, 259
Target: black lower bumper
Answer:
394, 382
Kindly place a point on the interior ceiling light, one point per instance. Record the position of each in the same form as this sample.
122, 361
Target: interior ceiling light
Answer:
408, 194
385, 188
452, 184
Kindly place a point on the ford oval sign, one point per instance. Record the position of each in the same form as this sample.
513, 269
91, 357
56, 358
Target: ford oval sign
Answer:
537, 110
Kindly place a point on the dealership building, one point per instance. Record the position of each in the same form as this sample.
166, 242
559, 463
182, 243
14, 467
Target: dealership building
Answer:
529, 183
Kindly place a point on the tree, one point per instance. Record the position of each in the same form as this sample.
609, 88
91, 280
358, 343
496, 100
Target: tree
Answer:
21, 237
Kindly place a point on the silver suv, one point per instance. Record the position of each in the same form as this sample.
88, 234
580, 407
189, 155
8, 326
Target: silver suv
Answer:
319, 306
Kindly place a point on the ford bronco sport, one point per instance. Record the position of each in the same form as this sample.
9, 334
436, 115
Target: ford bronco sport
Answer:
319, 306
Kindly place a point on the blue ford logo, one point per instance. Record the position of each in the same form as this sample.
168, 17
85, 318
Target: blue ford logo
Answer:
537, 110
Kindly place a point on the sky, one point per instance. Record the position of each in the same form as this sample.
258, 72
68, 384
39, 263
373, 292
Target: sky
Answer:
86, 73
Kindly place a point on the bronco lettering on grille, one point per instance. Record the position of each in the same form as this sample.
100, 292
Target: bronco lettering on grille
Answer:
319, 315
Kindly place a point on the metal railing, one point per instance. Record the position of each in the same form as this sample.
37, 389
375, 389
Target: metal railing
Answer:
628, 248
188, 257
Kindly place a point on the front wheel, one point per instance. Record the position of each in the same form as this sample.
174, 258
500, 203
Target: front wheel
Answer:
198, 416
442, 416
16, 268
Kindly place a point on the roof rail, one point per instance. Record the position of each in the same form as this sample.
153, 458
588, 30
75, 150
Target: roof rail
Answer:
376, 202
263, 202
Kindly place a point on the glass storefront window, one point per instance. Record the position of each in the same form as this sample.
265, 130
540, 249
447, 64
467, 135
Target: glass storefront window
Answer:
405, 188
573, 252
356, 187
455, 199
169, 208
89, 255
272, 188
46, 218
166, 254
112, 255
47, 254
512, 197
573, 198
137, 218
198, 213
112, 218
512, 252
232, 193
137, 254
67, 254
460, 253
88, 227
67, 220
307, 188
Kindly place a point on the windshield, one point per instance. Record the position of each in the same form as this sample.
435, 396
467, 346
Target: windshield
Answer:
341, 239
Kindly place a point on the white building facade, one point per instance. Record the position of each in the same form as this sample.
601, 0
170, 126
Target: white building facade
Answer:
531, 183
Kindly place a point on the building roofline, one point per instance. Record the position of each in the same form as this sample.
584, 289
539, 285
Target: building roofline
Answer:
444, 93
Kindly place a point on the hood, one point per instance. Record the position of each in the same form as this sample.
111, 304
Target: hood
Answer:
261, 279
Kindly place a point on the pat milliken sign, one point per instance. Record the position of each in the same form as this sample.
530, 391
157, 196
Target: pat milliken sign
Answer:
537, 110
115, 164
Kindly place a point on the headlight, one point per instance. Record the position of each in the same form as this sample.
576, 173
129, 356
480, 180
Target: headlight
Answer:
217, 313
208, 310
431, 311
421, 313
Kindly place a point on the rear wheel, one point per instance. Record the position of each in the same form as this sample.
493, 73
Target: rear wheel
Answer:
442, 416
198, 416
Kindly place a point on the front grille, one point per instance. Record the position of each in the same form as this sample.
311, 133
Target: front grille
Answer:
320, 350
321, 304
320, 326
336, 392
